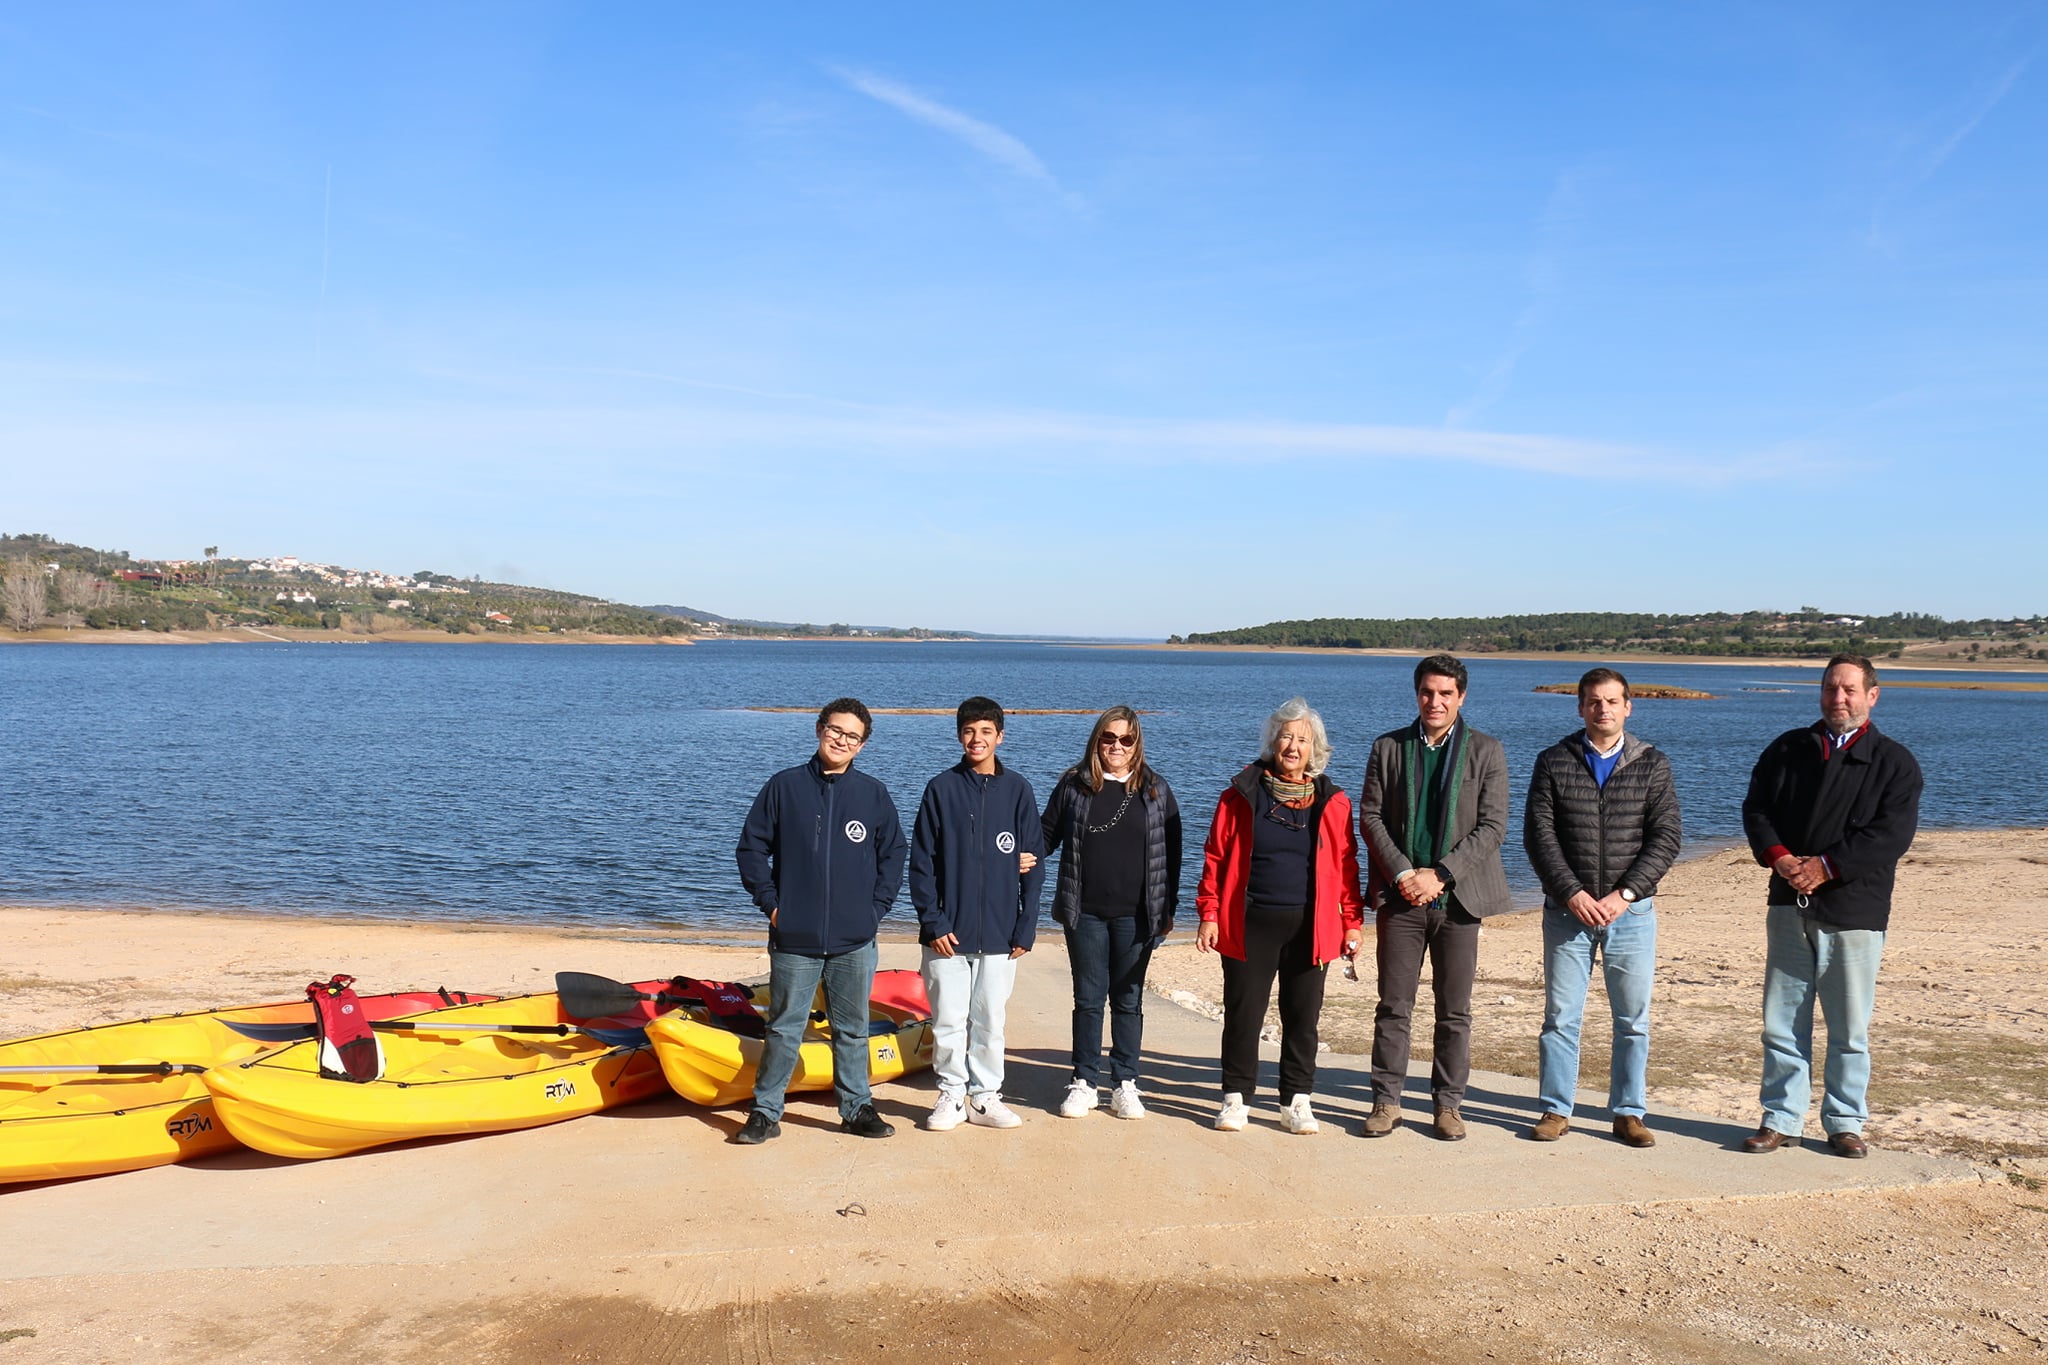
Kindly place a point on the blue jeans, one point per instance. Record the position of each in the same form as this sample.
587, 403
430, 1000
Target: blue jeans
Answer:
1109, 957
970, 995
1627, 950
793, 980
1805, 961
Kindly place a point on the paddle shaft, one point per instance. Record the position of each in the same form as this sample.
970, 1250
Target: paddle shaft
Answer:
285, 1033
111, 1069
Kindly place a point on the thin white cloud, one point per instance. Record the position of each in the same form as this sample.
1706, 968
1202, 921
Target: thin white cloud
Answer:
659, 439
1005, 149
1978, 107
1986, 100
1542, 277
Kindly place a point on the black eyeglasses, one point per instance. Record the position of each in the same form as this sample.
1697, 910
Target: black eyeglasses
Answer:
1120, 741
1287, 817
846, 737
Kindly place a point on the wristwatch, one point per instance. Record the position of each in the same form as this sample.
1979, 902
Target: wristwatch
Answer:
1628, 895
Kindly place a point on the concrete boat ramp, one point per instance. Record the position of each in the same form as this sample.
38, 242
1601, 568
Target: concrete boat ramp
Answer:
238, 1256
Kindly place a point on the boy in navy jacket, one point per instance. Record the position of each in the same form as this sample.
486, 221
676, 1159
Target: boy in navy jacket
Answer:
976, 896
822, 855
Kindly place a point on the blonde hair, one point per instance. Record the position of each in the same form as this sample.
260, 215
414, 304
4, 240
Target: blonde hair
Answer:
1293, 709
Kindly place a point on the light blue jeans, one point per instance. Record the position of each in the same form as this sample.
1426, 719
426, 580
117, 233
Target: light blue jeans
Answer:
969, 993
1805, 961
1627, 950
793, 980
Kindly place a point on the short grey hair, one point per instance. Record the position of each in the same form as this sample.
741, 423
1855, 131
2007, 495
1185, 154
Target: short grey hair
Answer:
1297, 708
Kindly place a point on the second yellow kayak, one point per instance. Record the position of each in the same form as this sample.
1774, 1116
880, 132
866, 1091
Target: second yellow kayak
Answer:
437, 1083
713, 1065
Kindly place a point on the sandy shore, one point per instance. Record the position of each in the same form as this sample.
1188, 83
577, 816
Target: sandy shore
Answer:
639, 1235
1924, 658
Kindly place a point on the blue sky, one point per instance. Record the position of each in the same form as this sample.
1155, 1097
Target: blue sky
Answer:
1095, 319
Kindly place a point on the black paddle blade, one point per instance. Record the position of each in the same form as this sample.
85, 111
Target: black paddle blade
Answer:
617, 1037
271, 1033
586, 996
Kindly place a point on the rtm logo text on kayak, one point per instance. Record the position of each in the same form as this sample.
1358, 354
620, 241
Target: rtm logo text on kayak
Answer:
190, 1126
560, 1090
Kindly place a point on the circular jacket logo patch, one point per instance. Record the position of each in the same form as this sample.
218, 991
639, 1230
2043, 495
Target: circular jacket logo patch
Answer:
856, 831
1006, 842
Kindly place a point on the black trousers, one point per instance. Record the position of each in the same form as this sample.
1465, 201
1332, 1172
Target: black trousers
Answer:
1281, 946
1450, 938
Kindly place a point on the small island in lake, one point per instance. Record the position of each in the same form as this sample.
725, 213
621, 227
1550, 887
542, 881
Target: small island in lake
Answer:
1655, 691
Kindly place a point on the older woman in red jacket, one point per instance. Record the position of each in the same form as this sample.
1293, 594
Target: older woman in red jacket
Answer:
1279, 897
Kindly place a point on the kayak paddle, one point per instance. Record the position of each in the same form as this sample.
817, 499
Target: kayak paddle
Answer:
286, 1033
587, 996
112, 1069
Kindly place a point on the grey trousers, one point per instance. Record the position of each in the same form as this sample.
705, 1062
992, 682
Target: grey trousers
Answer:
1450, 937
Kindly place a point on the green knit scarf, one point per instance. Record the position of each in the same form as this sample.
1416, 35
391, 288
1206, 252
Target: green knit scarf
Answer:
1449, 777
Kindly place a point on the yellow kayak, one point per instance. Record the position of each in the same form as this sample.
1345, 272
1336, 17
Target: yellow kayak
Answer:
463, 1079
128, 1095
712, 1064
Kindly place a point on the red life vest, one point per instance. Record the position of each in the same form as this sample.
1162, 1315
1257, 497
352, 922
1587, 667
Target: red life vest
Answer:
349, 1050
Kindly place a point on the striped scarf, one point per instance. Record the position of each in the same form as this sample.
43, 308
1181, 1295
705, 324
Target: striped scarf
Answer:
1285, 792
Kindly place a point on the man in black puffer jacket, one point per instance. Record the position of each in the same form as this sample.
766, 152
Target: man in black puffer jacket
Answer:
1601, 830
1831, 809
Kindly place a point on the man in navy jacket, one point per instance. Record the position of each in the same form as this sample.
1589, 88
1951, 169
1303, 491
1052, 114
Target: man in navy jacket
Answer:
976, 895
1831, 809
822, 855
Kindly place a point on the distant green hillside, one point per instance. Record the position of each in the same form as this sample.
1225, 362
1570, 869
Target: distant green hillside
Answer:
1808, 632
48, 582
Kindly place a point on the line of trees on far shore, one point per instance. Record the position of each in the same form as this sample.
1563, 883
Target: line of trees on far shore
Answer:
1753, 634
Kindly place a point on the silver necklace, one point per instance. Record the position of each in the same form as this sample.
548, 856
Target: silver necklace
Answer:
1121, 807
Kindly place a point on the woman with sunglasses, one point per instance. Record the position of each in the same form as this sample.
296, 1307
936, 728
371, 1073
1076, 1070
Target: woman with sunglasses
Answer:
1279, 896
1116, 827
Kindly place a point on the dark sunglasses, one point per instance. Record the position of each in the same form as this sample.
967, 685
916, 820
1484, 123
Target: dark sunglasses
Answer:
1120, 741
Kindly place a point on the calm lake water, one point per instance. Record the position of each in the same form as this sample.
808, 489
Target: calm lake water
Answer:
599, 785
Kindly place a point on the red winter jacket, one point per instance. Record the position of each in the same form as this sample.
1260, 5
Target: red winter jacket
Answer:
1227, 860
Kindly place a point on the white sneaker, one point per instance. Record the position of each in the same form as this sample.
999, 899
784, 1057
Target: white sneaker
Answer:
1231, 1117
990, 1112
1296, 1118
1080, 1099
1124, 1101
949, 1113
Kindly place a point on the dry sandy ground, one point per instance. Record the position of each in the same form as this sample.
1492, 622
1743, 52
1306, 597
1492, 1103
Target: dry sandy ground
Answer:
1933, 1273
1959, 1038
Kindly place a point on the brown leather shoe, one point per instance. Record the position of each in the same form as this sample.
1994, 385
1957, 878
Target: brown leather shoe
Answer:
1632, 1132
1550, 1128
1769, 1139
1848, 1144
1382, 1120
1449, 1126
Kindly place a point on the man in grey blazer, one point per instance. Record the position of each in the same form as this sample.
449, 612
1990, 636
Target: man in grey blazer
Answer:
1433, 816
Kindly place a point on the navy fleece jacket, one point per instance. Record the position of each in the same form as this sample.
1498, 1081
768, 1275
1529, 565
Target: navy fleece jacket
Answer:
825, 853
963, 860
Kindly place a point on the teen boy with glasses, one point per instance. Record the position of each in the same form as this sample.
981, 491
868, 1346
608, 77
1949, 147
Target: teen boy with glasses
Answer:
822, 854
